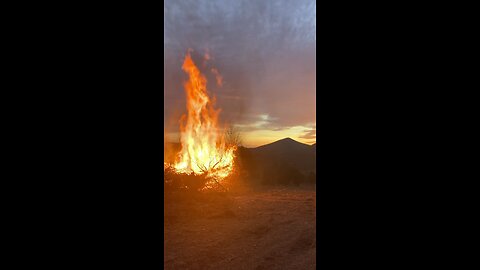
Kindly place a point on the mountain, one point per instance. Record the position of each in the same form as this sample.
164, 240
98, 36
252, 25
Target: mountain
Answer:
283, 144
288, 152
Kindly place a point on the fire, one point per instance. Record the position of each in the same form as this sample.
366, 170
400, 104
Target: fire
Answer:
204, 149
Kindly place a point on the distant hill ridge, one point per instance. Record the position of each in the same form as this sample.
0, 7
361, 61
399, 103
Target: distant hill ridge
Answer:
287, 140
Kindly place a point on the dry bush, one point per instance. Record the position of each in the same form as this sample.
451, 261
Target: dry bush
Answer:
171, 180
174, 182
279, 173
182, 181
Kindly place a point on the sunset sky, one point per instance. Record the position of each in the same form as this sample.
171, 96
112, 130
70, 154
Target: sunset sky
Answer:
265, 54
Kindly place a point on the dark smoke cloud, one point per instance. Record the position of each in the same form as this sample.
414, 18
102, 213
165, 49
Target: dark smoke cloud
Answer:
264, 51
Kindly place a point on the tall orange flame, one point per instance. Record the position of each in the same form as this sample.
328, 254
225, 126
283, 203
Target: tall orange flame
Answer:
204, 149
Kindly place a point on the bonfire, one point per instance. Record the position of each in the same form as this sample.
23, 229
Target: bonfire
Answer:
204, 153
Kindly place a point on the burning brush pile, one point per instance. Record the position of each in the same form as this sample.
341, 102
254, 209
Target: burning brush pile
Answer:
205, 159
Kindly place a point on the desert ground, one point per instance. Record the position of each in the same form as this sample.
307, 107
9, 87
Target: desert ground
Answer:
272, 228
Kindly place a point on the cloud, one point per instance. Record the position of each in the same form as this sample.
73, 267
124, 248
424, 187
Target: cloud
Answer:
309, 134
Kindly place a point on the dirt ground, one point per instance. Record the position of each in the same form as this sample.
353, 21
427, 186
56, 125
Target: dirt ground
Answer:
261, 229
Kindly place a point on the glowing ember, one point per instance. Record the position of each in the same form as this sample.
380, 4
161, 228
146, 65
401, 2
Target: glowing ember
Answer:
203, 144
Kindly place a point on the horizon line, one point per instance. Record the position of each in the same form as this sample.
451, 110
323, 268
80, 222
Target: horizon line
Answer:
262, 144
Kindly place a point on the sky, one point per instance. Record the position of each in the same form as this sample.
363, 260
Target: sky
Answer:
265, 54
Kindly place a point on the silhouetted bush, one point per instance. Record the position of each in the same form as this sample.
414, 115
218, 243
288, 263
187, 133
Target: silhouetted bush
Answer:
171, 179
246, 165
181, 181
278, 173
293, 175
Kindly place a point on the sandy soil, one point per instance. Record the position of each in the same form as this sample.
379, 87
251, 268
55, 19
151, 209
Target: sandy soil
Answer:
269, 229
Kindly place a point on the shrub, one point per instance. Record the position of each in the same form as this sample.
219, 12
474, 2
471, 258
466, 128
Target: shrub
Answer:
280, 173
174, 181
